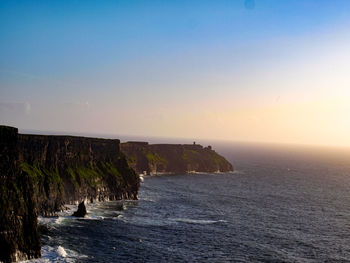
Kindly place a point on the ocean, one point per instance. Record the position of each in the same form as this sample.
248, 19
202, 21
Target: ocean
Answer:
281, 204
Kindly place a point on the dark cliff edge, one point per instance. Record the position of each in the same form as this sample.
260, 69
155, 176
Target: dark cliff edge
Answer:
173, 158
19, 238
40, 174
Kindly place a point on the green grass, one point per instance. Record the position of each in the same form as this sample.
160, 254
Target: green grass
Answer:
39, 174
155, 158
111, 169
50, 181
34, 171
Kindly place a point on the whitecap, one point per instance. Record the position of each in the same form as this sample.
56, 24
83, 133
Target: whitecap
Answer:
50, 220
196, 221
147, 199
61, 252
58, 254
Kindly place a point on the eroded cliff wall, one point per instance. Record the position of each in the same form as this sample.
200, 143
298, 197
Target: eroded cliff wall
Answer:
68, 169
173, 158
39, 174
19, 239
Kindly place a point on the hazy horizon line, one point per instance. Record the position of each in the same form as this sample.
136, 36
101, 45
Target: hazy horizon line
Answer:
186, 140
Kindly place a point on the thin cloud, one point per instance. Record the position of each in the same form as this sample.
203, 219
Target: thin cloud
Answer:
15, 107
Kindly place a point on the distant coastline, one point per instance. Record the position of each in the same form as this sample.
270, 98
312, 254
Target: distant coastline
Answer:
150, 159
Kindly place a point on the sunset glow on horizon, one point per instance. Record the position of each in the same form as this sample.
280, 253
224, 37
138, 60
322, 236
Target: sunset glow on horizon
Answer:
266, 71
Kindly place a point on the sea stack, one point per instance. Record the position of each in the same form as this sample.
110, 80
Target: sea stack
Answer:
81, 212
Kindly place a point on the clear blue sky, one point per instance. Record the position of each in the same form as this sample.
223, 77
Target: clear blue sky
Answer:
139, 67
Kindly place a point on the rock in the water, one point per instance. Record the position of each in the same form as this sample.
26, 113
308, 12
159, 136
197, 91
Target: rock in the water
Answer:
81, 212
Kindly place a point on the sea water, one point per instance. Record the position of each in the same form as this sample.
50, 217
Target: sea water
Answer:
282, 204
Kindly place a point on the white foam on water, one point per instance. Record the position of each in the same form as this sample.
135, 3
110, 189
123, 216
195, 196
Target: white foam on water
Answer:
196, 221
50, 220
61, 252
144, 221
93, 217
57, 254
87, 217
147, 199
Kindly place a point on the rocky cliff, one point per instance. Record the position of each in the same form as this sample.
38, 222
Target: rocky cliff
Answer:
173, 158
19, 237
67, 169
39, 174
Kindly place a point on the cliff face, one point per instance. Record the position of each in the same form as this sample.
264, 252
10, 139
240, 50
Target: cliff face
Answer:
39, 174
19, 239
173, 158
67, 169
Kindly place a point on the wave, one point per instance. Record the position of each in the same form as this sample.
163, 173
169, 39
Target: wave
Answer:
146, 199
197, 221
117, 217
57, 254
61, 219
50, 220
61, 252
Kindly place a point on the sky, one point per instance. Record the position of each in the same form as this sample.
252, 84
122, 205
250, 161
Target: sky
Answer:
240, 70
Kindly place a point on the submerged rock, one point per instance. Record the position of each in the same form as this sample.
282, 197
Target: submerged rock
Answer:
81, 212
